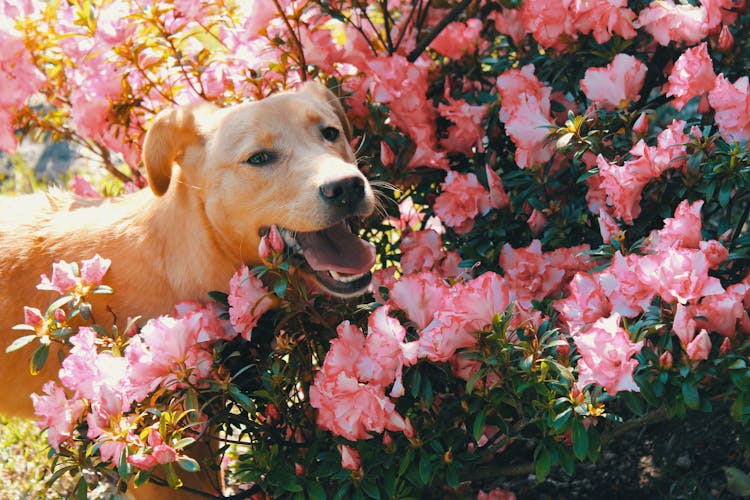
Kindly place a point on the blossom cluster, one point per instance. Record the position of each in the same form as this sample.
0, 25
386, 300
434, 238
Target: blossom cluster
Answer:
107, 382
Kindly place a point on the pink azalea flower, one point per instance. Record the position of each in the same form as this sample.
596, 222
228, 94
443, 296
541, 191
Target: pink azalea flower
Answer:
458, 38
669, 22
64, 279
606, 356
549, 21
692, 75
205, 320
682, 231
586, 303
723, 313
678, 275
90, 373
466, 308
622, 285
57, 413
248, 300
349, 457
111, 425
466, 132
94, 269
462, 199
351, 409
683, 324
514, 84
166, 353
624, 184
345, 350
409, 215
528, 273
421, 251
715, 252
617, 84
603, 18
528, 128
731, 103
498, 197
33, 317
509, 22
384, 355
700, 347
419, 295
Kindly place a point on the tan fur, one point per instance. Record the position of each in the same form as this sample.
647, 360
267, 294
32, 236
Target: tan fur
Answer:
190, 238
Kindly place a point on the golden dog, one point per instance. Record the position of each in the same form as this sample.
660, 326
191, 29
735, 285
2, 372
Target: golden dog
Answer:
219, 179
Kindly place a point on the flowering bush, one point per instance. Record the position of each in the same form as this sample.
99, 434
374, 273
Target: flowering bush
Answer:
567, 253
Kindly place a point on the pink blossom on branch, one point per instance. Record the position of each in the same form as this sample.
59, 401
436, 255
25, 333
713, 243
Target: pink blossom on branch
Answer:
462, 199
692, 75
606, 356
458, 38
58, 414
616, 85
248, 300
731, 103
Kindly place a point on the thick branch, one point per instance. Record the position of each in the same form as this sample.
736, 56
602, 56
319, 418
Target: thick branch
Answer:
427, 40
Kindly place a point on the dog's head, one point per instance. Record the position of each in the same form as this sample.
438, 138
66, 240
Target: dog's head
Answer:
285, 161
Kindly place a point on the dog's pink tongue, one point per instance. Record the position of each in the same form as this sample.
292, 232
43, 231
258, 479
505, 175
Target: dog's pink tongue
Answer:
337, 249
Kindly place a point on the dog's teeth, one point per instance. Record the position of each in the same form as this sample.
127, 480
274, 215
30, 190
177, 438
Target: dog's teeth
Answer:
345, 278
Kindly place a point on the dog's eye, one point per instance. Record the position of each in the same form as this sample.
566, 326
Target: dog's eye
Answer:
330, 134
261, 158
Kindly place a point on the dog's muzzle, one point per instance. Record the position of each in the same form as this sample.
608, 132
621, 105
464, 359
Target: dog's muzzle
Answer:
337, 259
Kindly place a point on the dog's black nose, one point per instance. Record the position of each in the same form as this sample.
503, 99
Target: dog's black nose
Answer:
348, 191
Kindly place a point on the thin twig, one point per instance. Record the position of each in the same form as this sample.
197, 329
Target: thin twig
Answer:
301, 61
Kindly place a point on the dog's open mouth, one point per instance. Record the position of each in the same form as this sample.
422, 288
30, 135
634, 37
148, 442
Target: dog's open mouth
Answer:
336, 258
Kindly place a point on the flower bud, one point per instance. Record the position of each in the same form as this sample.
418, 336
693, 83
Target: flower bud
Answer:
60, 315
726, 346
726, 40
666, 360
640, 126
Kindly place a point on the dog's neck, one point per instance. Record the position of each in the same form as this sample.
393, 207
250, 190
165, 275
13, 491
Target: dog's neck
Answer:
193, 256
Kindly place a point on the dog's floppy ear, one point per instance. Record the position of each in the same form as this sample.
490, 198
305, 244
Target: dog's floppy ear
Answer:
172, 131
324, 94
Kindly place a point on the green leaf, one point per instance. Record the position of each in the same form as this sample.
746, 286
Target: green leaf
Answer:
425, 469
142, 478
220, 297
82, 489
543, 464
38, 358
561, 419
315, 491
20, 342
690, 395
188, 464
634, 402
242, 399
580, 440
370, 487
451, 476
58, 304
279, 288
